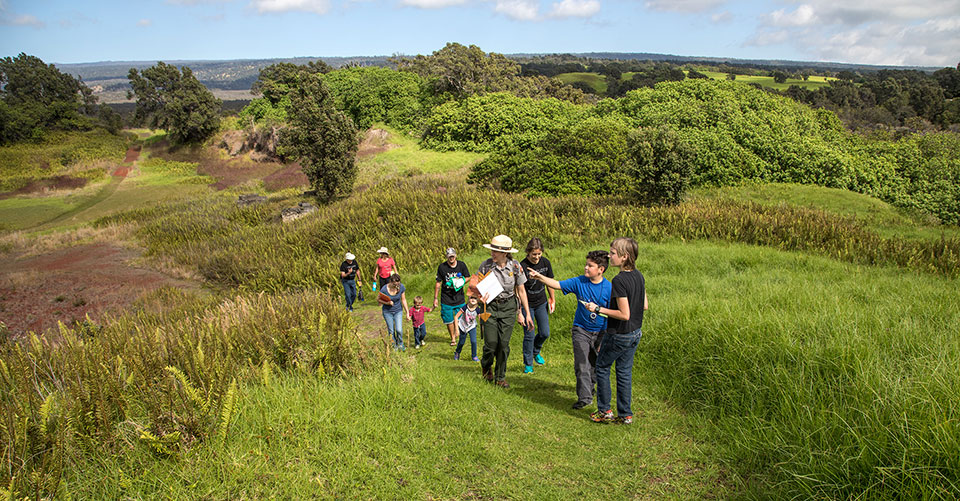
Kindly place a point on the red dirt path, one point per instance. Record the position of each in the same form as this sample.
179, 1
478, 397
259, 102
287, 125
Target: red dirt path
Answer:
67, 284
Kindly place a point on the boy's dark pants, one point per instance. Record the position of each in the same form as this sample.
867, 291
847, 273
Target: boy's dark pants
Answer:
585, 346
496, 335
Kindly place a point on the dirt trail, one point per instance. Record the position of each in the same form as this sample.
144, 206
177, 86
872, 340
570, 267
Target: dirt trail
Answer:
118, 175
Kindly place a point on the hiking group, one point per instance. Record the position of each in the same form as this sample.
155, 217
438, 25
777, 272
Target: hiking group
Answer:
606, 324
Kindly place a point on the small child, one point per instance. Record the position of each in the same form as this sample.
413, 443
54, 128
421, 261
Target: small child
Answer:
466, 320
419, 324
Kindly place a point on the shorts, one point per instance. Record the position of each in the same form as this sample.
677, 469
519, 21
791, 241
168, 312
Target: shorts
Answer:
447, 312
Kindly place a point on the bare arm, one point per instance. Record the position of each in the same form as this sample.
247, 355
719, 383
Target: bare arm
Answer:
436, 295
403, 300
549, 282
525, 306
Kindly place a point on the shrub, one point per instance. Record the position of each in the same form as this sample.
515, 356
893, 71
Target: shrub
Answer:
660, 167
371, 95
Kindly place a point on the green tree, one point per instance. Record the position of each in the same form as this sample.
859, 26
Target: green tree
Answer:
372, 94
35, 97
174, 100
779, 76
660, 167
461, 71
323, 138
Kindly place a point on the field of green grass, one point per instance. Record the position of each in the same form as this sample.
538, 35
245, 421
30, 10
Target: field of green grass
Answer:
814, 82
594, 80
404, 157
800, 343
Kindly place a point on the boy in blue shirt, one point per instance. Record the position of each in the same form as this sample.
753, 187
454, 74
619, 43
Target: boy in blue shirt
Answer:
588, 327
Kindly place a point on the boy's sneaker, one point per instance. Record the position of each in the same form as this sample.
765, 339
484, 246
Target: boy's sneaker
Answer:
538, 359
624, 420
602, 416
475, 359
456, 356
527, 369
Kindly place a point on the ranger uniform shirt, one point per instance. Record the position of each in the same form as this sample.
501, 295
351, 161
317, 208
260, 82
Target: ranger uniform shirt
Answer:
510, 276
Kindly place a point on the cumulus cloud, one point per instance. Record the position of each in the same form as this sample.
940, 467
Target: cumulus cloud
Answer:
686, 6
721, 17
803, 15
575, 8
276, 6
521, 10
432, 4
888, 32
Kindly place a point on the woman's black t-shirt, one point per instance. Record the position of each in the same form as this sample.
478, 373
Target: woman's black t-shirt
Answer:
536, 292
628, 284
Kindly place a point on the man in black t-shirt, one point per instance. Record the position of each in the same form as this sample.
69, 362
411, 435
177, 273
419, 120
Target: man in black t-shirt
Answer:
452, 277
349, 277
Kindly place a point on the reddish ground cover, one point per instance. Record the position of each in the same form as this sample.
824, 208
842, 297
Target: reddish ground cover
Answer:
67, 284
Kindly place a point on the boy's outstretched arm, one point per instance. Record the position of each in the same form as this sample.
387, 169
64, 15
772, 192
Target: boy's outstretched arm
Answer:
549, 282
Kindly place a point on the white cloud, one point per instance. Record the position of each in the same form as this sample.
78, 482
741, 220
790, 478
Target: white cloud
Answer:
521, 10
802, 16
688, 6
143, 23
27, 20
886, 32
272, 6
575, 8
432, 4
721, 17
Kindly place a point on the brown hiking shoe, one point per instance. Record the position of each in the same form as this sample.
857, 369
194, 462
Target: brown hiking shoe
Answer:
503, 384
487, 373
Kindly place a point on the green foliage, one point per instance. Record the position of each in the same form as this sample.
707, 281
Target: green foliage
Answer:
370, 95
457, 71
323, 138
580, 159
261, 110
660, 166
36, 97
166, 380
173, 99
485, 123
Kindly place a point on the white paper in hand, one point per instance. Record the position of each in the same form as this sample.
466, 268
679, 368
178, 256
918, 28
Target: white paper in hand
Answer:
490, 286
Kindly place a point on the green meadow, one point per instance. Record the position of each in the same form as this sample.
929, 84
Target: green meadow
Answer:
595, 80
800, 343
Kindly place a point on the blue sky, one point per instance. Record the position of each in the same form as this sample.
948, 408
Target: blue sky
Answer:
895, 32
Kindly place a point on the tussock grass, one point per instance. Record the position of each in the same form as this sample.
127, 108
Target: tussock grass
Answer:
162, 380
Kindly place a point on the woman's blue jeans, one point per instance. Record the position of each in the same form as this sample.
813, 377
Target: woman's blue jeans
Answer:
533, 340
618, 348
395, 327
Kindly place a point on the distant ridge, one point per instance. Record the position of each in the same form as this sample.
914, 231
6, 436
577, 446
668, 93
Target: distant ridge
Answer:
109, 78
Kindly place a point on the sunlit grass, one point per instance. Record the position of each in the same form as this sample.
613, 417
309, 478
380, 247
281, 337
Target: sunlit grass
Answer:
403, 156
879, 216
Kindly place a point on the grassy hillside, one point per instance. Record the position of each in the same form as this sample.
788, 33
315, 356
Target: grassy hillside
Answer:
814, 82
799, 344
594, 80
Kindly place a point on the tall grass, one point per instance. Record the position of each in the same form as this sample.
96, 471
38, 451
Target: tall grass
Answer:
418, 218
164, 381
825, 380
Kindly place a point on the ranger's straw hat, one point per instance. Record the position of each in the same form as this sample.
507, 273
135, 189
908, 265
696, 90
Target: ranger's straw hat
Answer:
501, 243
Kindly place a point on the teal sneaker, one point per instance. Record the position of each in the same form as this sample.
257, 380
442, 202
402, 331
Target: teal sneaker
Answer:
527, 369
538, 359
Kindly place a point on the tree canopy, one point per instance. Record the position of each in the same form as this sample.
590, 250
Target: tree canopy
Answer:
35, 97
173, 99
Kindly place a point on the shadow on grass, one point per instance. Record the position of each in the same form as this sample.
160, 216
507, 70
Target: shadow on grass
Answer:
538, 390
